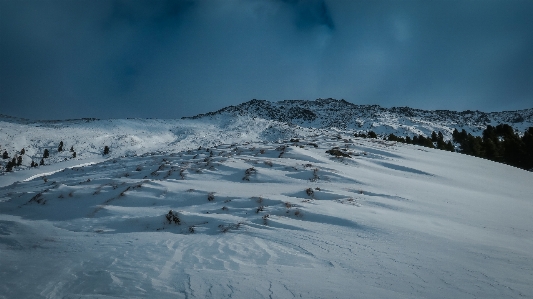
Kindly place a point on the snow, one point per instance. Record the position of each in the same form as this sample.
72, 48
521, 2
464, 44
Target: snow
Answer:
392, 221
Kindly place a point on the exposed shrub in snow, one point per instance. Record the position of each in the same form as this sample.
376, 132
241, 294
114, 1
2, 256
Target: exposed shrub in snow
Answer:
248, 172
226, 228
211, 196
315, 175
172, 216
337, 153
309, 191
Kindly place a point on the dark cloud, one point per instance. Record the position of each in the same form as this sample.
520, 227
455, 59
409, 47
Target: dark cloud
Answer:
66, 59
309, 13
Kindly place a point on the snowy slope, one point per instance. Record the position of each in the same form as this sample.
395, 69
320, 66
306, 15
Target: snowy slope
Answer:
257, 216
130, 137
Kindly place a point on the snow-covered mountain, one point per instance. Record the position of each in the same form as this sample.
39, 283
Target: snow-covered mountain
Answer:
403, 121
244, 206
251, 121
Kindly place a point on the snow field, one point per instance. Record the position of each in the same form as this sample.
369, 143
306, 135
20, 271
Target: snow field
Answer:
269, 219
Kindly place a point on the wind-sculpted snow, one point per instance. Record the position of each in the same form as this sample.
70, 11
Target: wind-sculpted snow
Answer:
261, 216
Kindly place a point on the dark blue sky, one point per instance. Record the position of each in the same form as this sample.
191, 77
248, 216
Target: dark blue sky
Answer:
167, 59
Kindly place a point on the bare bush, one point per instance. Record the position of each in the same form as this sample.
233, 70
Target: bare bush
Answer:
248, 172
315, 175
211, 196
226, 228
172, 216
337, 153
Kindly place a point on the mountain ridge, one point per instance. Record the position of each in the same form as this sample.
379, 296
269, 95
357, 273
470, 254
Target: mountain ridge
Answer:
341, 114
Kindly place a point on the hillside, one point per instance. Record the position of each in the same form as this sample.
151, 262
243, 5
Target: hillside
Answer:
258, 220
252, 121
245, 207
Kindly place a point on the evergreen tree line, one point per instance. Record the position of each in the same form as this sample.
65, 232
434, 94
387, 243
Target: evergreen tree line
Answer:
436, 141
500, 144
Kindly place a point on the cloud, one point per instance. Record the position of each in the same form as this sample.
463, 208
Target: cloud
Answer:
65, 59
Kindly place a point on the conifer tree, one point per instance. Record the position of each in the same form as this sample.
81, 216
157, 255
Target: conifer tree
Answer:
449, 146
19, 160
106, 150
72, 149
434, 136
5, 155
60, 147
46, 153
42, 161
22, 151
9, 166
73, 154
